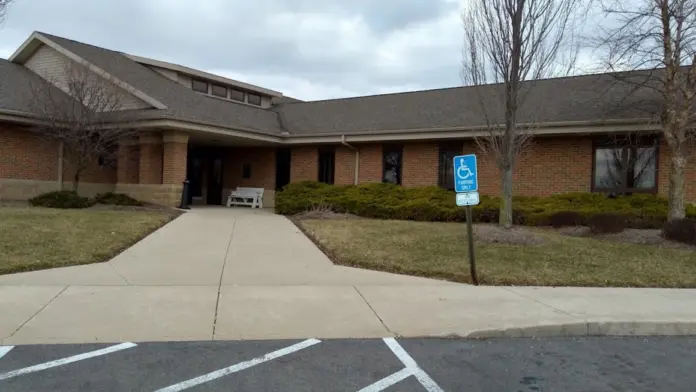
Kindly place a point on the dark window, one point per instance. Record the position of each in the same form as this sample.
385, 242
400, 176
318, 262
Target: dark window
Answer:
219, 91
327, 160
254, 99
446, 165
200, 86
237, 95
246, 170
625, 169
392, 160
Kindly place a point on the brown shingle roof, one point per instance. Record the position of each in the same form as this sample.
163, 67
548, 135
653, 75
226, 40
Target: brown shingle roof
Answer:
183, 103
572, 99
16, 83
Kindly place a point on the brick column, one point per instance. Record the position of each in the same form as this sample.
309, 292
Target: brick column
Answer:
150, 171
304, 164
127, 162
174, 156
420, 164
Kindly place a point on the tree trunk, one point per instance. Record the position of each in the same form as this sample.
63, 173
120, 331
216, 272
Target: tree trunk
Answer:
676, 186
505, 218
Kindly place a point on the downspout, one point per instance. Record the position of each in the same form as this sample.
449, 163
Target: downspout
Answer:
357, 158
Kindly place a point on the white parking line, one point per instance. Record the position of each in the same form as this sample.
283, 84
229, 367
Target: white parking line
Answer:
65, 361
4, 350
238, 367
388, 381
412, 369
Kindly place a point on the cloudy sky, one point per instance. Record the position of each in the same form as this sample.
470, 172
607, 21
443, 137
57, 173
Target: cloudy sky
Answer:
309, 49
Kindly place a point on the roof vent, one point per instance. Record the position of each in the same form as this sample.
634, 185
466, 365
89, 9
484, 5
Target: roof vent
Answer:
285, 133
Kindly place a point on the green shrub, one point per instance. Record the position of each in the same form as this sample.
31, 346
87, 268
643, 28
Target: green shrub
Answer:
565, 218
606, 223
682, 230
118, 199
387, 201
61, 199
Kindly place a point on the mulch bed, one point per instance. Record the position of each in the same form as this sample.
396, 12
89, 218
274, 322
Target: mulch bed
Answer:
518, 235
635, 236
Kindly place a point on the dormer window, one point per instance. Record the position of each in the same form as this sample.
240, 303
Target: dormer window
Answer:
226, 92
200, 86
219, 91
254, 99
236, 95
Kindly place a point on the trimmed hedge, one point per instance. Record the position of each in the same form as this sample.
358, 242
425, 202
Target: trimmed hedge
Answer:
387, 201
117, 199
682, 230
61, 199
606, 223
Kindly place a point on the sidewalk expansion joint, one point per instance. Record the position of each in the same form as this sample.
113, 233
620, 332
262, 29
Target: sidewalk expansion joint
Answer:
375, 313
118, 273
222, 274
37, 312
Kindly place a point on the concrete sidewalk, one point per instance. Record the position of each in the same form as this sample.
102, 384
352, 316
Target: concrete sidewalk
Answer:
217, 273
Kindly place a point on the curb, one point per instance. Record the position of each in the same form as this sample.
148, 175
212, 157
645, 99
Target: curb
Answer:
592, 328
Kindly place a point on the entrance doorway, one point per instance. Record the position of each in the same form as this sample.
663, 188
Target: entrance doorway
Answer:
204, 173
282, 168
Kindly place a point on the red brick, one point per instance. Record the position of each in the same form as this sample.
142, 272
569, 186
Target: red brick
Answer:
304, 164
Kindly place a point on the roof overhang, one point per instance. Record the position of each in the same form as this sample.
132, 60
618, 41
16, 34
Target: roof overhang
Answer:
405, 135
36, 39
203, 75
548, 129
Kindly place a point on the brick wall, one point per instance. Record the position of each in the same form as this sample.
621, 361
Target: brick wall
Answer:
174, 162
150, 165
344, 173
26, 156
304, 164
420, 164
94, 173
128, 163
548, 166
370, 163
664, 159
554, 165
262, 164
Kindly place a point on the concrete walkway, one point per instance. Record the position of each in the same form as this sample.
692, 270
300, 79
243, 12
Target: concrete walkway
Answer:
217, 273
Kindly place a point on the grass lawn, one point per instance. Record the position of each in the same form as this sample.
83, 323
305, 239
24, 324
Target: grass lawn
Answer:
440, 250
39, 238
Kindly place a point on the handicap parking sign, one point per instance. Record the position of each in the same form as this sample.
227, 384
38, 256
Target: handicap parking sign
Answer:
465, 173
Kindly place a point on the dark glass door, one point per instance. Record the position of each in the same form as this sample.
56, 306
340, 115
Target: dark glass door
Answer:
282, 168
214, 188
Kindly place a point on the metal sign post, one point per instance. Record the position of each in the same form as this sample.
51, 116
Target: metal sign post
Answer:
472, 259
466, 185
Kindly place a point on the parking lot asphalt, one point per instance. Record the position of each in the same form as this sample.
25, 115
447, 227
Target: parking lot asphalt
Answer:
370, 365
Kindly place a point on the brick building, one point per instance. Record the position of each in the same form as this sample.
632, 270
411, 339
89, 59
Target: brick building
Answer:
220, 133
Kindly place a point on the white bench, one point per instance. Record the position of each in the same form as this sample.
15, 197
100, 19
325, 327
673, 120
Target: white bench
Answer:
244, 196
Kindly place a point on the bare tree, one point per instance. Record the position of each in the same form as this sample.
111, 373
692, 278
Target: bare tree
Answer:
510, 43
3, 8
81, 110
658, 37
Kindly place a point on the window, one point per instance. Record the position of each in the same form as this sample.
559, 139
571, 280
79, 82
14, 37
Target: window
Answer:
237, 95
200, 86
446, 164
327, 160
246, 170
392, 159
219, 91
254, 99
625, 169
